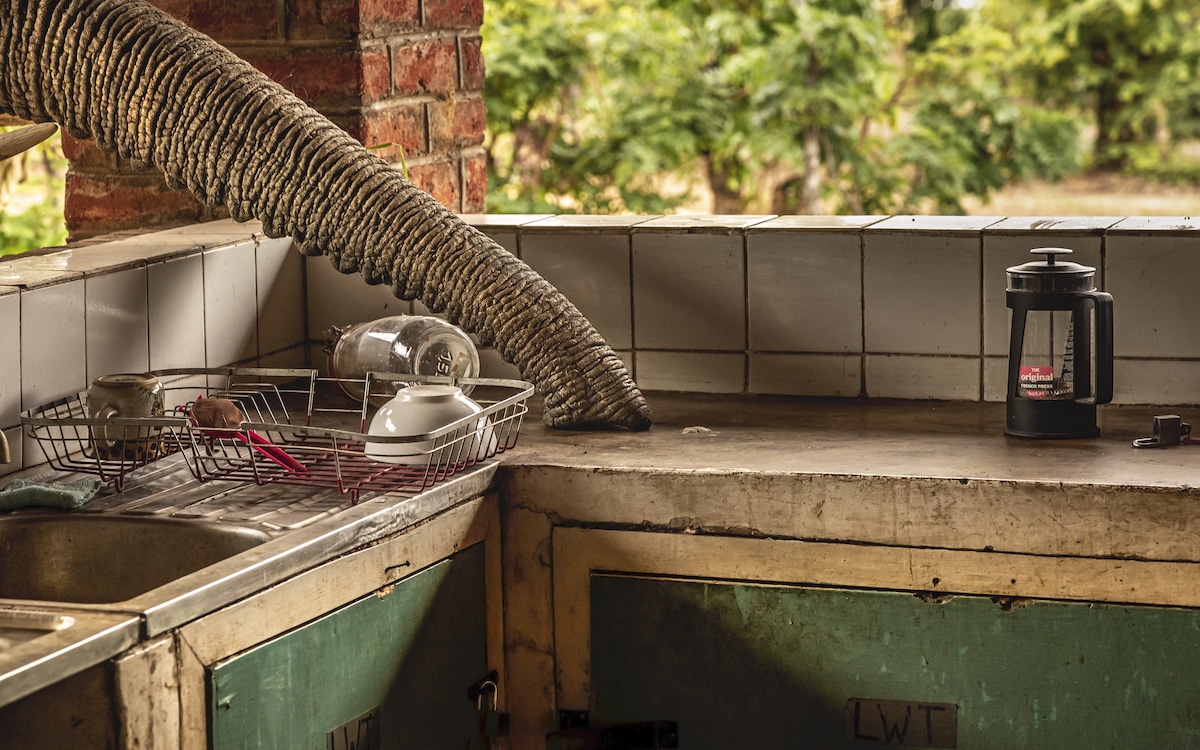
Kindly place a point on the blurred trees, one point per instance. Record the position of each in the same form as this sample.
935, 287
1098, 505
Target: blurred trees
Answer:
31, 197
1132, 63
815, 106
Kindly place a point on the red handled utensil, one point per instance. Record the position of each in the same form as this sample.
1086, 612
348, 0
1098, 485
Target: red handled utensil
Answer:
223, 419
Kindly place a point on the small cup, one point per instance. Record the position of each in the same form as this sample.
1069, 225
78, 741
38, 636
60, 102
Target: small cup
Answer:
126, 396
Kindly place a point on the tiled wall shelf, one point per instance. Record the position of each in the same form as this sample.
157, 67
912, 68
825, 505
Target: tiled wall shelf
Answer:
876, 306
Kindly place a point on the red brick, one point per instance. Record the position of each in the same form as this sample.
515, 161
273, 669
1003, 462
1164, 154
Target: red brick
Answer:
97, 204
87, 156
475, 182
472, 62
324, 77
227, 20
322, 19
423, 65
456, 122
376, 75
453, 14
403, 124
380, 18
439, 179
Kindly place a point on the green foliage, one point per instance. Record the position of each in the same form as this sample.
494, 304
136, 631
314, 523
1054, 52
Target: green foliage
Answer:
881, 106
536, 56
969, 135
1129, 64
31, 199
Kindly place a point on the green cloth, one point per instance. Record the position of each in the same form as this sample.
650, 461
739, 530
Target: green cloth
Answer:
31, 493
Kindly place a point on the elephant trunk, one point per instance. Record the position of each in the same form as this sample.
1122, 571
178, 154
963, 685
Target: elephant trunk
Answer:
159, 93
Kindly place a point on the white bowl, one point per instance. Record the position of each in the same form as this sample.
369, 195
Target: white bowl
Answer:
423, 409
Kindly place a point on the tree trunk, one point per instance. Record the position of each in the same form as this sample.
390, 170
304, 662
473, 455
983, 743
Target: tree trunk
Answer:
725, 199
1107, 107
1112, 131
156, 92
810, 196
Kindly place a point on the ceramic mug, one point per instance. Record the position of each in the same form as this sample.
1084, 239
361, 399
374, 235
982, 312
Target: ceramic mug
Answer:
126, 396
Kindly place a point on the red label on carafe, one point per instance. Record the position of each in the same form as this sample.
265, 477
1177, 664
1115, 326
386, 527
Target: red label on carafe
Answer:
1035, 381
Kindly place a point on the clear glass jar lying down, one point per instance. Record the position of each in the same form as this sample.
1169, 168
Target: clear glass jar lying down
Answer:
400, 344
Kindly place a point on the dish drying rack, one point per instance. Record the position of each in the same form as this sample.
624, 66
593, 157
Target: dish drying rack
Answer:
319, 429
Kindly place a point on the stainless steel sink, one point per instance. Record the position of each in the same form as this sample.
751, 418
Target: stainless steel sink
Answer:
79, 587
101, 559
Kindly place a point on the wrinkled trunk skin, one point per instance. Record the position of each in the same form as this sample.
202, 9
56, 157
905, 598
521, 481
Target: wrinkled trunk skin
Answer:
159, 93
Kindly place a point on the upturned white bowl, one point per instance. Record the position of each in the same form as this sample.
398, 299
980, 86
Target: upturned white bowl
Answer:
423, 409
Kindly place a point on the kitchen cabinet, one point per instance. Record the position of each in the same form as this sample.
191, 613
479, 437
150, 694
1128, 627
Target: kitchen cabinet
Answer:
78, 711
779, 643
773, 666
388, 670
386, 639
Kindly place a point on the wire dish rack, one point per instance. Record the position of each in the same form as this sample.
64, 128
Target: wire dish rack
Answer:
300, 429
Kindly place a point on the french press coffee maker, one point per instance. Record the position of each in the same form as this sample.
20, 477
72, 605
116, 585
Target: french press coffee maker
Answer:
1060, 353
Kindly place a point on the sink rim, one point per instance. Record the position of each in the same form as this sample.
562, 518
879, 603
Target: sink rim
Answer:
88, 639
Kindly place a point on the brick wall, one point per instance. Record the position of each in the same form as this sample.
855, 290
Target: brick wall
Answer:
408, 72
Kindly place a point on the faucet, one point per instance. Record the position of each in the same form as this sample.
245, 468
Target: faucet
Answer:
5, 457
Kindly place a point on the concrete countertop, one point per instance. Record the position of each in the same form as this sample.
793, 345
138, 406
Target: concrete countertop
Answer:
874, 438
895, 473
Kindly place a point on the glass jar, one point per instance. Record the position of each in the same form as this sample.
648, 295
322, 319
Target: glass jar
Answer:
401, 345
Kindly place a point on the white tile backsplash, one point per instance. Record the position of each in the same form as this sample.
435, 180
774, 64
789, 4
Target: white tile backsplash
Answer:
690, 371
727, 224
1154, 282
804, 292
118, 322
10, 358
689, 291
1000, 252
230, 305
505, 239
593, 272
492, 365
934, 225
933, 378
995, 378
338, 299
52, 343
280, 269
806, 374
176, 306
921, 293
809, 223
1156, 381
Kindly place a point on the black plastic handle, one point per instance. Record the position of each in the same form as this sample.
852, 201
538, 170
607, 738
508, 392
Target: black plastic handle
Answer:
1104, 346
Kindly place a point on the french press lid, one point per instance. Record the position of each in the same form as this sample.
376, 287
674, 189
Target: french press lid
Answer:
1051, 275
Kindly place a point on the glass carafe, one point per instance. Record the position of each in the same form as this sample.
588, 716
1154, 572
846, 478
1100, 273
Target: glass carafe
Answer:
401, 345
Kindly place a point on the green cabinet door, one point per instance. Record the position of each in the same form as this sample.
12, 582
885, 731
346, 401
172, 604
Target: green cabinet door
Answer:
390, 670
753, 666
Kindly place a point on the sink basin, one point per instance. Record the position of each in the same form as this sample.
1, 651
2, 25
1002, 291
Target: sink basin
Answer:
101, 559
